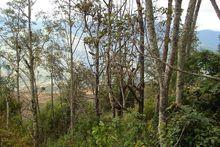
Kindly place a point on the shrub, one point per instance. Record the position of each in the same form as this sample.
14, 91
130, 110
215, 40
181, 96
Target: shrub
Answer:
187, 127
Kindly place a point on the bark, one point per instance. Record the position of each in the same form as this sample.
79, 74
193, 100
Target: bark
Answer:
164, 86
120, 105
155, 53
97, 60
152, 34
174, 43
215, 6
97, 72
167, 33
141, 56
18, 59
7, 112
32, 80
108, 64
97, 81
52, 86
72, 104
190, 38
182, 51
157, 104
17, 76
121, 81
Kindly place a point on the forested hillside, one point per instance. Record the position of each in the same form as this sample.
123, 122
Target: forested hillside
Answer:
107, 73
209, 39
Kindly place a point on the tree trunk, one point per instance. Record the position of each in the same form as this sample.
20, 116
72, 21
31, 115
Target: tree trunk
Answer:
97, 81
174, 46
108, 68
7, 112
141, 56
33, 80
97, 60
166, 72
52, 90
97, 72
182, 52
167, 34
215, 6
72, 102
190, 39
18, 59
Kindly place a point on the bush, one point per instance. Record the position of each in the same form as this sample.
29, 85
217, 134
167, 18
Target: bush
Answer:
187, 127
132, 130
81, 133
57, 125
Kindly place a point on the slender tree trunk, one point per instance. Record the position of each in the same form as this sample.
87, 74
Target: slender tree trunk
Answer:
157, 104
160, 69
33, 81
215, 6
18, 59
97, 81
121, 82
72, 102
141, 56
174, 45
163, 84
97, 109
7, 112
182, 52
52, 86
108, 68
167, 33
190, 38
18, 75
96, 61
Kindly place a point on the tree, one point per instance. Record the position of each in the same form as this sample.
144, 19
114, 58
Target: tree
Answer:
215, 6
164, 71
70, 32
14, 22
141, 56
182, 51
93, 41
31, 67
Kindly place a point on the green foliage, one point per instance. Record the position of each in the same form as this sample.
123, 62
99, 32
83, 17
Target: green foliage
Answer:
15, 134
106, 134
205, 62
132, 130
14, 106
149, 107
196, 124
104, 101
204, 96
6, 94
188, 127
79, 136
9, 138
202, 93
54, 122
82, 132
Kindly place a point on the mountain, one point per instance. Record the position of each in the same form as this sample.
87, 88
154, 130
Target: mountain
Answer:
209, 39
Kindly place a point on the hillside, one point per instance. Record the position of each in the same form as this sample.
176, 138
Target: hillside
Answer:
209, 39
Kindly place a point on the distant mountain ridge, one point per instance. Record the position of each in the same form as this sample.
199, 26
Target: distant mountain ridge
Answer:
209, 39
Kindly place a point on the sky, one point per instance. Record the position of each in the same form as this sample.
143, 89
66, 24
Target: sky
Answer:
207, 18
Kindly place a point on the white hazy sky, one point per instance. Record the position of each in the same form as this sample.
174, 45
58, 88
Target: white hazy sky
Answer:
207, 18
